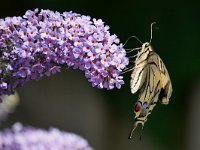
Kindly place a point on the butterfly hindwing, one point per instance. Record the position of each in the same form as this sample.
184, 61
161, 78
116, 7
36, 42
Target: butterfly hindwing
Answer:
166, 90
149, 93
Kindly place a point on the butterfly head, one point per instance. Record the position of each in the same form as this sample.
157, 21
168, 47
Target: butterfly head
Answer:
146, 47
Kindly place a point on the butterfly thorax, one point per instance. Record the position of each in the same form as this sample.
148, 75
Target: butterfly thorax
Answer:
143, 54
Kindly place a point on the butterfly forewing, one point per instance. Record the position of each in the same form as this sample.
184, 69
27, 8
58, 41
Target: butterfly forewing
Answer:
138, 75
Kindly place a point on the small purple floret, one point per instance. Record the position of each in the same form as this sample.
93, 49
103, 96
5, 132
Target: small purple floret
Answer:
42, 42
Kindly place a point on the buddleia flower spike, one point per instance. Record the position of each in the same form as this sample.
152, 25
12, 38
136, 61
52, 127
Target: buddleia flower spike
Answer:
21, 137
42, 42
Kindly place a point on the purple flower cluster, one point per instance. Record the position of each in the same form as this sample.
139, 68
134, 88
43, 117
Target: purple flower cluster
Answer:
28, 138
42, 42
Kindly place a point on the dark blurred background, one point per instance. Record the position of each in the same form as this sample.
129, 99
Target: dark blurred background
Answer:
68, 101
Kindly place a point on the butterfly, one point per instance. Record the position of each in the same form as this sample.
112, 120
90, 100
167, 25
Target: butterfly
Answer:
151, 79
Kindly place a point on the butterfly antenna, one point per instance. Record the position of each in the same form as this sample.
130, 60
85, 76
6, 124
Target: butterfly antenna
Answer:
131, 38
152, 31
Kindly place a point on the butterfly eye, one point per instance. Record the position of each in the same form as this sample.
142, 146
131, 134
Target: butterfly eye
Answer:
138, 106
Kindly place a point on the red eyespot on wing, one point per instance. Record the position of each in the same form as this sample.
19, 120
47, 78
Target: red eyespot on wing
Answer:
138, 106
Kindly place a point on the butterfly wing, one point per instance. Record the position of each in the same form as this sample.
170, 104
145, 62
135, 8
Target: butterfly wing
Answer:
149, 93
156, 85
138, 75
166, 84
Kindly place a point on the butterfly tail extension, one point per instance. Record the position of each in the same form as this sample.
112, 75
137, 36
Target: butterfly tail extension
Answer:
135, 126
133, 129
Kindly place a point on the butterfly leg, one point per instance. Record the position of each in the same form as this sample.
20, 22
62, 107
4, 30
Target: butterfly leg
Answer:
133, 56
133, 49
130, 69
